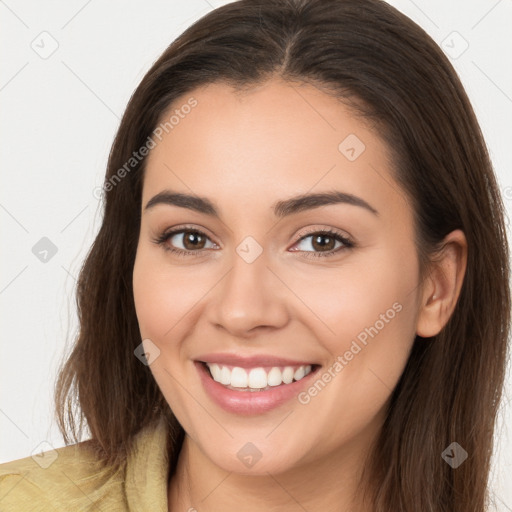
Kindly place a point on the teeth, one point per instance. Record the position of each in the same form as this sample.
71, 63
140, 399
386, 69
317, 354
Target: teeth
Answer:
239, 378
288, 375
274, 377
225, 376
256, 378
299, 373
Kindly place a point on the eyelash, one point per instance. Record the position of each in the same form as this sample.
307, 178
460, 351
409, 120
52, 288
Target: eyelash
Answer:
348, 244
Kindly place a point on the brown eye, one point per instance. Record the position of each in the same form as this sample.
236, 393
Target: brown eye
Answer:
193, 240
323, 243
184, 241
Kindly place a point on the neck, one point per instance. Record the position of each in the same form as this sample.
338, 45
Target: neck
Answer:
331, 483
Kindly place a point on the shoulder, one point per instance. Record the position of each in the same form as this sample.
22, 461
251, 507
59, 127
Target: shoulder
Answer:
68, 478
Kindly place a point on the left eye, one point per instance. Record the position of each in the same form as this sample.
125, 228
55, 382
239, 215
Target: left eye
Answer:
321, 242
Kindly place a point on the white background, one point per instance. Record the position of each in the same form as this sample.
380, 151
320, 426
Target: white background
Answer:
59, 117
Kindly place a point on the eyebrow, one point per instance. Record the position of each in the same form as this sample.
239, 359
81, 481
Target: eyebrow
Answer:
281, 208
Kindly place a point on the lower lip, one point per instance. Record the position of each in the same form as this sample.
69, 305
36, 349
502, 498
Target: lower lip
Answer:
250, 402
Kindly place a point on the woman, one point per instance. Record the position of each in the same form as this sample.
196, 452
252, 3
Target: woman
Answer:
298, 297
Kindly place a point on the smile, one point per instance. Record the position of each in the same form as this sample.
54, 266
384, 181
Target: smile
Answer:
256, 389
256, 379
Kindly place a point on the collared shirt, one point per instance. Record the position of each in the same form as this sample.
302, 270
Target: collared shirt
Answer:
75, 481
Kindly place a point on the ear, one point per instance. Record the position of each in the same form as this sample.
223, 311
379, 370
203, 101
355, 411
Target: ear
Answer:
442, 287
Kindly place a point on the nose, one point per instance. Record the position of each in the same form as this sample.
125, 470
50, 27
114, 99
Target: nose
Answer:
248, 299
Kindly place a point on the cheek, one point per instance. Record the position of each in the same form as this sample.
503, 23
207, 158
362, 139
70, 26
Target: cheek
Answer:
151, 297
367, 311
162, 301
163, 294
356, 296
368, 326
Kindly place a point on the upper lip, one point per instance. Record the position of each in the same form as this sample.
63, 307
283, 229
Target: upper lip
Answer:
250, 361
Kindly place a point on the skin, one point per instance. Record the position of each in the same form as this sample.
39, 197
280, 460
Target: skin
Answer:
245, 151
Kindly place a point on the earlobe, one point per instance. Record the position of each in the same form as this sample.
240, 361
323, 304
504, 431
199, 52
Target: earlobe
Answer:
443, 285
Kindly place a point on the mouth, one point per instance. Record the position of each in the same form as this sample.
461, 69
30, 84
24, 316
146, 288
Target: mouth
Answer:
257, 379
253, 384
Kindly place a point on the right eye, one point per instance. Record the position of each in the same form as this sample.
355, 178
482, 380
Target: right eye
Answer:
191, 241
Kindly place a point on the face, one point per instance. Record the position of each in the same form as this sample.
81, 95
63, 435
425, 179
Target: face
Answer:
257, 276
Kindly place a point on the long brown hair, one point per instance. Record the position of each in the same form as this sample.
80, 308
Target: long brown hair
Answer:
374, 58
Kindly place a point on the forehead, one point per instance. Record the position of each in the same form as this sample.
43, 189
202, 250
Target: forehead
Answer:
272, 141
